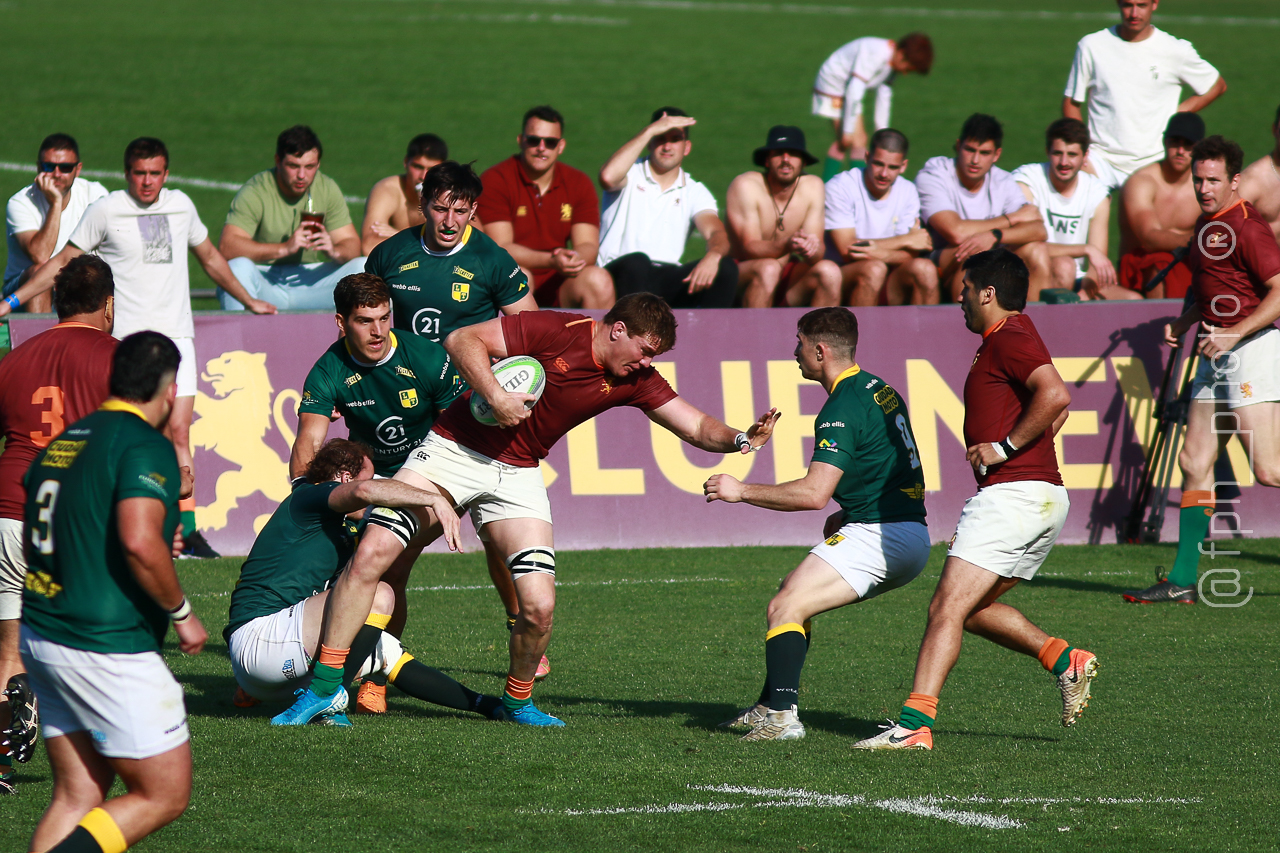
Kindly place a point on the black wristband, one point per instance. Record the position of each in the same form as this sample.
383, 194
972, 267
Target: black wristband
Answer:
1008, 448
998, 234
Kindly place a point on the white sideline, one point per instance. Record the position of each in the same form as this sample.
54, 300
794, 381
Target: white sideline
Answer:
884, 11
515, 18
201, 183
455, 587
929, 806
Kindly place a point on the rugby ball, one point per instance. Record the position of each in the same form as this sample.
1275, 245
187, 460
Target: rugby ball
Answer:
519, 374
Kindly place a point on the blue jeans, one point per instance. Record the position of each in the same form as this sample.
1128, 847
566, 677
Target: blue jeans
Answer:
297, 287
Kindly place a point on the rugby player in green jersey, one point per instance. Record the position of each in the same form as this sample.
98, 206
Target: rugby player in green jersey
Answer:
865, 456
446, 273
100, 592
278, 603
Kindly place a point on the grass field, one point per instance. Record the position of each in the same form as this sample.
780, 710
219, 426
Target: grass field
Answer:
654, 648
219, 81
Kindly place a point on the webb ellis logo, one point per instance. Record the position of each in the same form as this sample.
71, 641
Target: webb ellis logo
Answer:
234, 424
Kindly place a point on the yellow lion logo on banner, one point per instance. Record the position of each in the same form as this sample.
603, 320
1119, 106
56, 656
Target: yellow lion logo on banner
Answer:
233, 424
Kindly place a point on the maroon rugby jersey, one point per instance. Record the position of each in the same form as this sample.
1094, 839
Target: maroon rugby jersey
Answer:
53, 380
996, 394
1234, 253
577, 390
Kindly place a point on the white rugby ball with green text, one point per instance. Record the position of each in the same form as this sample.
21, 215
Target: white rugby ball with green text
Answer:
518, 374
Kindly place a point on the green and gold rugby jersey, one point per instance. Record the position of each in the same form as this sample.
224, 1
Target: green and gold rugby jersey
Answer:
300, 549
863, 430
389, 406
431, 294
79, 589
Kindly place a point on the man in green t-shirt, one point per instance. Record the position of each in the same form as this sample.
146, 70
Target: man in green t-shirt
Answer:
289, 237
865, 456
447, 273
100, 592
278, 603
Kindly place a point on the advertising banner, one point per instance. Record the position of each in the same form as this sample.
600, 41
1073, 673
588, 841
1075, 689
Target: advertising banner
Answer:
623, 482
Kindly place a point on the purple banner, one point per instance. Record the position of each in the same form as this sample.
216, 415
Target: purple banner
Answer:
622, 482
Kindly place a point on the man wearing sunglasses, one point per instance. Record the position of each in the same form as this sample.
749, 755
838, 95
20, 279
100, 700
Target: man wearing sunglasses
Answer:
39, 218
547, 216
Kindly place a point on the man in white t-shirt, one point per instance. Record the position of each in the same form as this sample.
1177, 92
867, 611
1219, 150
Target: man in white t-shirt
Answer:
140, 232
1076, 209
872, 220
39, 218
650, 206
970, 205
1132, 75
843, 81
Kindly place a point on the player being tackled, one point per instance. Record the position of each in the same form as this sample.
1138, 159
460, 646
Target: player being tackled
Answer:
865, 457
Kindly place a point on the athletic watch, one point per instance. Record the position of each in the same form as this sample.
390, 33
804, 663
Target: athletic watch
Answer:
998, 234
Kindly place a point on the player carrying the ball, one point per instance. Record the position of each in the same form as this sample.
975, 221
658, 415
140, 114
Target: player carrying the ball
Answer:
493, 470
865, 456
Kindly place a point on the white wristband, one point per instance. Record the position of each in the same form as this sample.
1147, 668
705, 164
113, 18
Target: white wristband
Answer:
181, 612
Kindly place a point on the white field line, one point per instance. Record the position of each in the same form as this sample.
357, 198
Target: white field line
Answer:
725, 6
515, 18
201, 183
927, 806
458, 587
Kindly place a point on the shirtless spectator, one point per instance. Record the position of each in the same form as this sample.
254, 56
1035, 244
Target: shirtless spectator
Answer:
1158, 210
547, 216
1260, 182
775, 228
970, 205
40, 217
873, 230
1131, 75
1076, 209
395, 202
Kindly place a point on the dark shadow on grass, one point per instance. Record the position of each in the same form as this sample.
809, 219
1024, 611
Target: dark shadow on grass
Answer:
1084, 586
1273, 559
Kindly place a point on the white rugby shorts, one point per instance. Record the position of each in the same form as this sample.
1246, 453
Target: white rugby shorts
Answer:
1008, 528
489, 489
187, 367
1248, 374
1113, 177
268, 656
131, 705
827, 106
13, 568
875, 558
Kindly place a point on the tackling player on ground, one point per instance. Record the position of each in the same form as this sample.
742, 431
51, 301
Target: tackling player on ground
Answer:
56, 378
278, 602
493, 470
102, 511
1235, 275
1014, 403
864, 456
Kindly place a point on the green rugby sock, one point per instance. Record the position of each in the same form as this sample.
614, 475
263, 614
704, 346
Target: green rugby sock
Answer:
325, 680
784, 651
1063, 662
831, 167
188, 522
1193, 525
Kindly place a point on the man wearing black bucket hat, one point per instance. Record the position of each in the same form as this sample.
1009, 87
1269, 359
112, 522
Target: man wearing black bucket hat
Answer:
775, 228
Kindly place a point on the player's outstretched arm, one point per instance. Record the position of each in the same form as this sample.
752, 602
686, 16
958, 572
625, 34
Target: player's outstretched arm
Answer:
150, 559
704, 432
812, 491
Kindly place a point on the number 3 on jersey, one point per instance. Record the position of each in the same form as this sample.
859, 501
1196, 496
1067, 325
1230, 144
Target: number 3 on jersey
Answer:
42, 530
901, 421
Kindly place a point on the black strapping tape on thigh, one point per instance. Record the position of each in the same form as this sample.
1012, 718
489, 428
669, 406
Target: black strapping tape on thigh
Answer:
401, 522
532, 561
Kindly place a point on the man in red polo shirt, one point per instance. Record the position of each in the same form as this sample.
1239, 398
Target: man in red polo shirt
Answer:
547, 216
1235, 274
1014, 404
52, 380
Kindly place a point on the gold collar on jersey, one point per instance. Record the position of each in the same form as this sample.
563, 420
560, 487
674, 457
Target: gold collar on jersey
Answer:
121, 406
852, 371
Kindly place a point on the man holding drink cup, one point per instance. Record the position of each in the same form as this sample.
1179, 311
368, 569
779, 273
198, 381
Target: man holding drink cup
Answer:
289, 236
